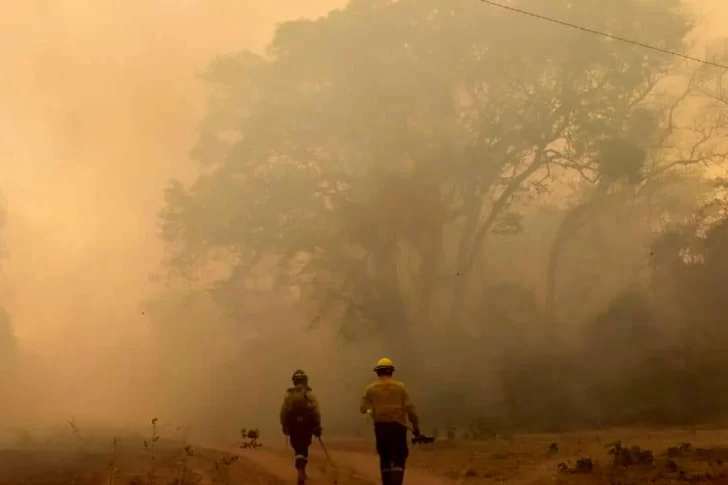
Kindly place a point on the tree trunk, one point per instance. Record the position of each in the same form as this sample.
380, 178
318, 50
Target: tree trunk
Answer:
568, 227
461, 282
468, 259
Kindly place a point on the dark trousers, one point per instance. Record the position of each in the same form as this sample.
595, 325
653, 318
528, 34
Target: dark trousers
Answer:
300, 439
392, 450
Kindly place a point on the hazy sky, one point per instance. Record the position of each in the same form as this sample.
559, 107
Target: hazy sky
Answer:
99, 108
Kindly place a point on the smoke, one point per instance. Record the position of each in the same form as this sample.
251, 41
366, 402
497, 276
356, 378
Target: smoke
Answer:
100, 108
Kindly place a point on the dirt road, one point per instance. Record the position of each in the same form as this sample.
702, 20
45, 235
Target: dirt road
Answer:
367, 466
348, 467
675, 456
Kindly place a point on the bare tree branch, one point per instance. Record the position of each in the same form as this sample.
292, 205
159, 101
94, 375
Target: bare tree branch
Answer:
677, 103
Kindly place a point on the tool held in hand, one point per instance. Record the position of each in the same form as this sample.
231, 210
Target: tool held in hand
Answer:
326, 452
420, 439
328, 459
417, 439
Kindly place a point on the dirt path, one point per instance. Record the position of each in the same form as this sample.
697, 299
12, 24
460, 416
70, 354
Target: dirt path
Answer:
366, 465
278, 463
349, 467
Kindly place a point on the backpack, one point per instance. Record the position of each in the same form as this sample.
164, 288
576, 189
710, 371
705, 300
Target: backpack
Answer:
300, 408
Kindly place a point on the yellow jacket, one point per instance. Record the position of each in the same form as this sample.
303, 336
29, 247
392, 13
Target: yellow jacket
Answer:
297, 395
389, 401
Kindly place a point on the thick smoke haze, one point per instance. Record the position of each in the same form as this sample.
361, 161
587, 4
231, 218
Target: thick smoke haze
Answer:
100, 108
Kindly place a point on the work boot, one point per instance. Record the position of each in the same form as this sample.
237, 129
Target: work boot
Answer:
387, 477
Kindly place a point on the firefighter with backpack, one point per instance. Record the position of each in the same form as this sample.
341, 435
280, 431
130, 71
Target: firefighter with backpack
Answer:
301, 420
387, 401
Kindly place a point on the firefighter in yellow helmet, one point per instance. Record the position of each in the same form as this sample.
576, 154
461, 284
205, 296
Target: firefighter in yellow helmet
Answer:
388, 402
300, 420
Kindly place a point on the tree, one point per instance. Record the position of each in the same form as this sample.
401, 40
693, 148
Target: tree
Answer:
688, 273
678, 380
367, 157
637, 170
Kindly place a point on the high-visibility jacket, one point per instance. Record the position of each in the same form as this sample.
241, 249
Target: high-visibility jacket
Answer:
389, 401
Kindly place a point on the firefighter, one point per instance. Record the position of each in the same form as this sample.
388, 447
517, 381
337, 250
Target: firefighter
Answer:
387, 401
301, 420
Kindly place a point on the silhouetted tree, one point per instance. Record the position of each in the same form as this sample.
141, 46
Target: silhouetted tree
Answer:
366, 158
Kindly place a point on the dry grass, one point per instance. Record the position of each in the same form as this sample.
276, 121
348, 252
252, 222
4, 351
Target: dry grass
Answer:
31, 467
78, 458
576, 458
593, 457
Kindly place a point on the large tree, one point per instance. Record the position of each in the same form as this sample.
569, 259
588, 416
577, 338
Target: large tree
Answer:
629, 185
368, 155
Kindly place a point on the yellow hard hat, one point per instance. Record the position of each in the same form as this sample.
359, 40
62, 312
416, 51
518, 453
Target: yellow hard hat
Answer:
384, 363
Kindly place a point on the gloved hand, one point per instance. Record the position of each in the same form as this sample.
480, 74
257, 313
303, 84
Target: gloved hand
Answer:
285, 431
317, 432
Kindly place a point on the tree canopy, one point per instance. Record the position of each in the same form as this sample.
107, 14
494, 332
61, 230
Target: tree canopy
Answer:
367, 163
371, 152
